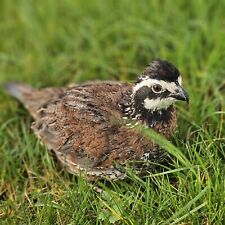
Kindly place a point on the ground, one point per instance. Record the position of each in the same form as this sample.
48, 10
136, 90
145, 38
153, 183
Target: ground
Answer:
53, 43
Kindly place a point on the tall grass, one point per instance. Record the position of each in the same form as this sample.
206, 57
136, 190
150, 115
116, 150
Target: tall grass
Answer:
54, 43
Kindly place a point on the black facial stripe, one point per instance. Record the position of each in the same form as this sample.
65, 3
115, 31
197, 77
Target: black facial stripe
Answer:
139, 96
164, 94
153, 95
146, 92
161, 95
141, 93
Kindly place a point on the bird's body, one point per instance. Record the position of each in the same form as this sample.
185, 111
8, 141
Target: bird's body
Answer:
90, 127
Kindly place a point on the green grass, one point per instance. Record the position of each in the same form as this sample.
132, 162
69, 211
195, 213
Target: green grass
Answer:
55, 43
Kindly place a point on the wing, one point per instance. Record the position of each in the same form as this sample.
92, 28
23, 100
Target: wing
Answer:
84, 127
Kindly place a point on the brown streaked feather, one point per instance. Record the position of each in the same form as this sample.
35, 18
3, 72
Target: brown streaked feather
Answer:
83, 125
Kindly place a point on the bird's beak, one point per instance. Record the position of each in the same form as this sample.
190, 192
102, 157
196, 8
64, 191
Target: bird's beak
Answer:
180, 94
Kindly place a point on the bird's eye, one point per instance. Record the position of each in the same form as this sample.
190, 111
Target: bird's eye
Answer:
157, 88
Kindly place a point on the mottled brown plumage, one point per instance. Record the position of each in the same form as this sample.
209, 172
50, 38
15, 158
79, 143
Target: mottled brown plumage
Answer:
86, 126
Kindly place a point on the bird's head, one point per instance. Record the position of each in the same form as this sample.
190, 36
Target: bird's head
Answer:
158, 87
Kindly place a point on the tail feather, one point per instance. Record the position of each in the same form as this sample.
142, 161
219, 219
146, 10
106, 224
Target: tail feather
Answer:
18, 90
30, 97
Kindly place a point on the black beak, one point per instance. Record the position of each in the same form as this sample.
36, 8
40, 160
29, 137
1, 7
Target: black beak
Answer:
180, 94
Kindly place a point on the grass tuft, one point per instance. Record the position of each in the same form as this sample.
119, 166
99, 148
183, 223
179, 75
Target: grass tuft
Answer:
49, 43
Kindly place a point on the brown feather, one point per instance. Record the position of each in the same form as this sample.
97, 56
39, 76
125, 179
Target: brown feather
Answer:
85, 128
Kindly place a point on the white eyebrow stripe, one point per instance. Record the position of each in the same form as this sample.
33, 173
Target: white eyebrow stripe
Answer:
179, 80
170, 86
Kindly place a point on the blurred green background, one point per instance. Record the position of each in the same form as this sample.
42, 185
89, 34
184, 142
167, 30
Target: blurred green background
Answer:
53, 43
62, 41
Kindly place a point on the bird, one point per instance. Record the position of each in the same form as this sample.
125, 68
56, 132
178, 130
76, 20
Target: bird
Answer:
91, 127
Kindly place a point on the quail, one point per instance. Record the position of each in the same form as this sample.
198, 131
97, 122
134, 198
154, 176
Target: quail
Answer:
91, 127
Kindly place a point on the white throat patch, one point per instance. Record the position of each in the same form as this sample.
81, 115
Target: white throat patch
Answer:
156, 104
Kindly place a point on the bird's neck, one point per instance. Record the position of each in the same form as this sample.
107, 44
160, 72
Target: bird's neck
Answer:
132, 111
